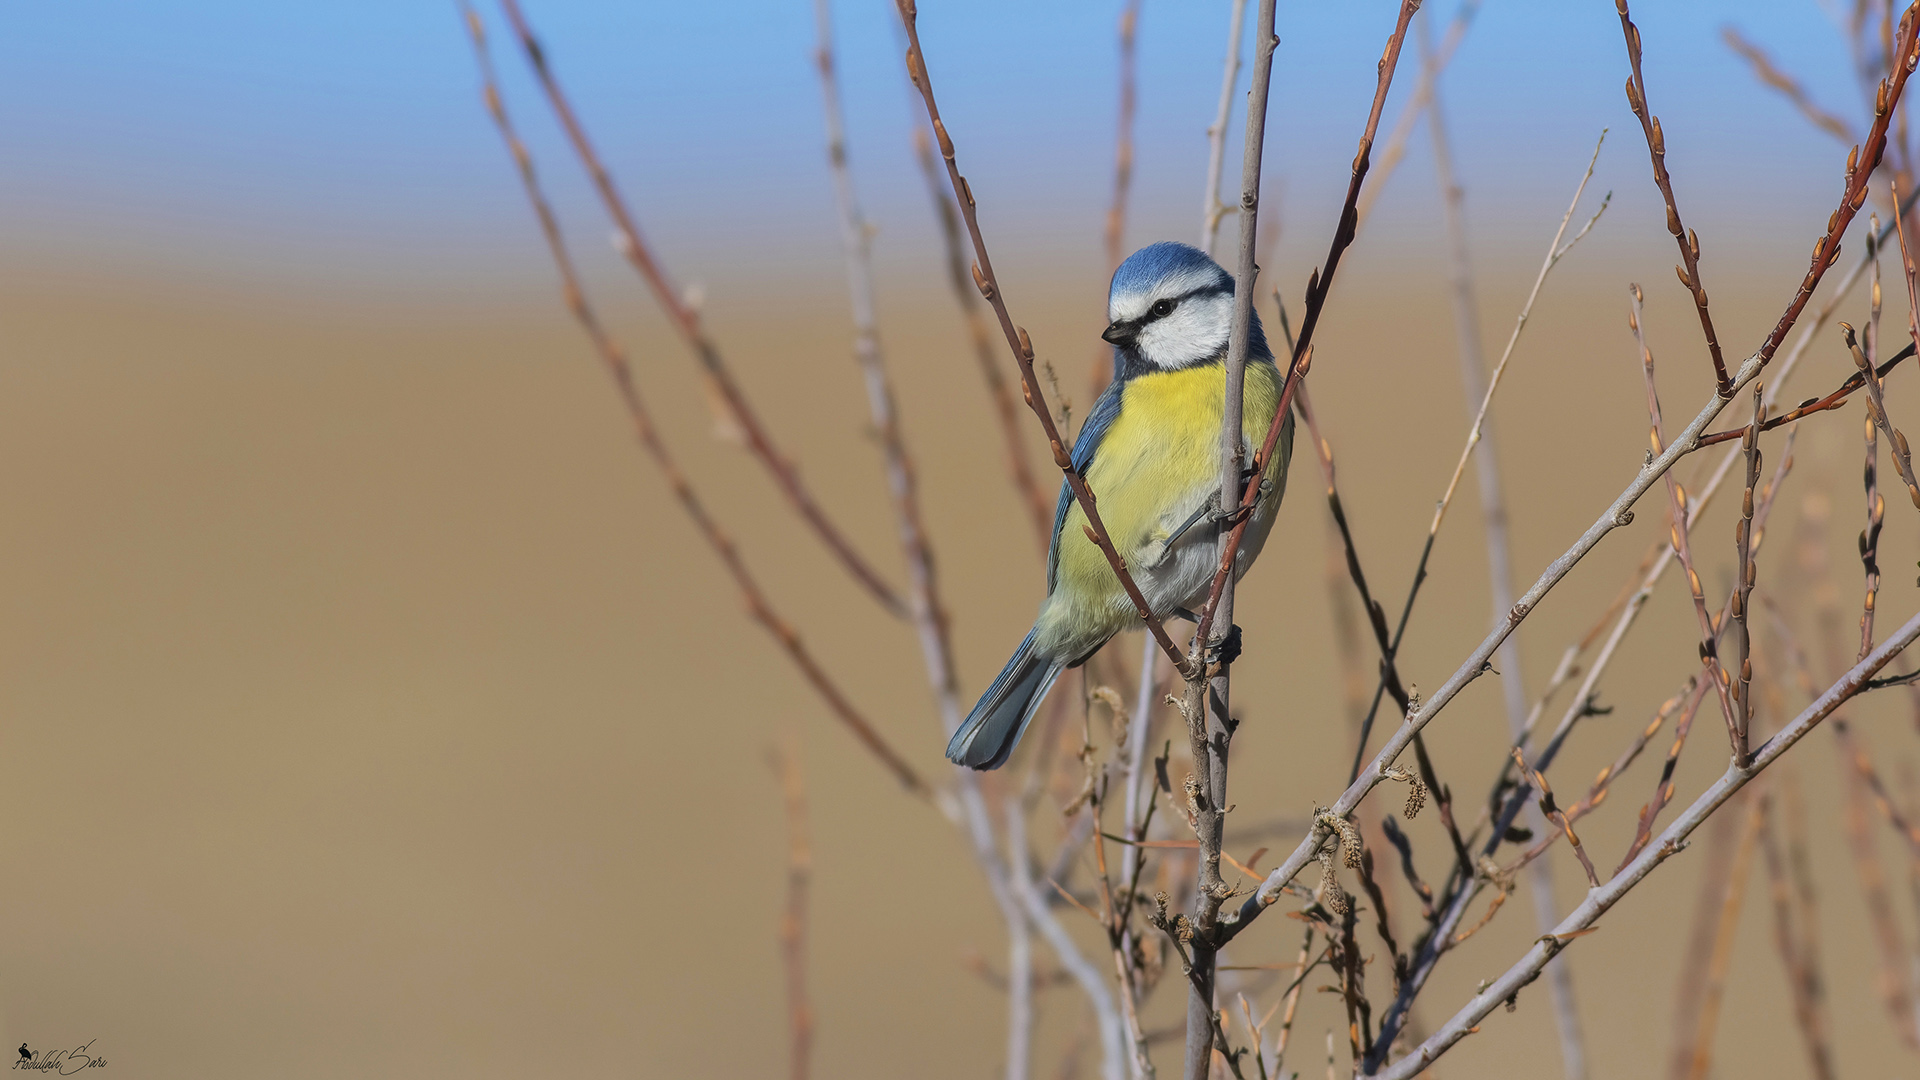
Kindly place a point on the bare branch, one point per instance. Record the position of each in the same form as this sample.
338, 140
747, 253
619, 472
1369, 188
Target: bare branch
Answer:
615, 360
1725, 931
686, 320
1115, 233
1021, 345
1416, 104
1657, 148
1039, 508
1601, 900
1683, 550
793, 923
1788, 86
1212, 209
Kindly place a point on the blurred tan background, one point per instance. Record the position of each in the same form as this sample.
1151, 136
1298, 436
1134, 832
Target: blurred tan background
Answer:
372, 708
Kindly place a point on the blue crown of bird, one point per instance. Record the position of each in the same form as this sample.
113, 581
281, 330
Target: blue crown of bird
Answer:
1150, 450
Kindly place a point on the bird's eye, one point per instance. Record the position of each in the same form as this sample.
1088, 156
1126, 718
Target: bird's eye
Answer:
1164, 307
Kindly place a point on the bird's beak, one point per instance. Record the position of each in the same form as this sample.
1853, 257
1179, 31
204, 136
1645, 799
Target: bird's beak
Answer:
1117, 334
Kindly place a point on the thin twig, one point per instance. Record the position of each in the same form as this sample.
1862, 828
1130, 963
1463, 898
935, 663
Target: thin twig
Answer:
1614, 516
1603, 782
1877, 411
615, 360
923, 597
1022, 345
1796, 953
1115, 232
1601, 900
1725, 933
793, 923
1663, 788
1027, 489
1492, 492
1395, 148
1212, 209
1092, 985
1555, 814
1319, 283
1683, 549
1209, 724
1686, 238
1787, 85
1812, 405
1748, 572
686, 320
1555, 251
1690, 985
1891, 980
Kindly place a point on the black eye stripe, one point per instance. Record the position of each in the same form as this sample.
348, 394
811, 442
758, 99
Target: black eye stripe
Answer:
1206, 290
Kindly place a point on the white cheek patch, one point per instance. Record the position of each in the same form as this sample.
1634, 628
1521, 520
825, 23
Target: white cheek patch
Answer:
1195, 331
1126, 306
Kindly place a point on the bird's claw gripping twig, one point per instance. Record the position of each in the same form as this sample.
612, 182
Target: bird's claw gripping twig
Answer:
1226, 650
1211, 512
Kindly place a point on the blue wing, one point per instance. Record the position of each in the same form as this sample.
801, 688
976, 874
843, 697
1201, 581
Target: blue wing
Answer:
1106, 409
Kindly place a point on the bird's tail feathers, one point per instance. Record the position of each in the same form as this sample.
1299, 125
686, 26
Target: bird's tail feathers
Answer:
994, 727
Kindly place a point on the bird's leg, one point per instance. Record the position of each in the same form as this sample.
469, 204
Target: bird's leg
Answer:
1209, 510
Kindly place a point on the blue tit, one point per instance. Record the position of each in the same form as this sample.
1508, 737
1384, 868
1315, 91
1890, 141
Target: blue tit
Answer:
1150, 450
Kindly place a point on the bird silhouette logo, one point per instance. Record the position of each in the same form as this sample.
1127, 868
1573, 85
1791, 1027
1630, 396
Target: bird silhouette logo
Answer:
25, 1054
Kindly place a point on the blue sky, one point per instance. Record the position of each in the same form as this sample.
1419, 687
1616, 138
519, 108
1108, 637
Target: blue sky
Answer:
345, 140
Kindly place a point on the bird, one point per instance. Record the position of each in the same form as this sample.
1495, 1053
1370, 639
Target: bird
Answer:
1150, 451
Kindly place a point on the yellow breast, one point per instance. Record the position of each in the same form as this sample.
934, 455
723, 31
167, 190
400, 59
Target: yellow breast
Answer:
1162, 454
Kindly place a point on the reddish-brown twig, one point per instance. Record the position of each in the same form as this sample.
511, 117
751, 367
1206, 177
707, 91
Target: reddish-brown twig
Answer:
1022, 345
1555, 252
1690, 986
1319, 283
1812, 405
923, 593
1860, 165
793, 922
1787, 85
1877, 413
1663, 789
1682, 549
1685, 237
1907, 268
1601, 900
1797, 952
1025, 487
615, 360
1725, 932
1743, 585
1892, 952
1866, 855
1555, 814
1395, 148
1617, 514
1603, 783
686, 320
